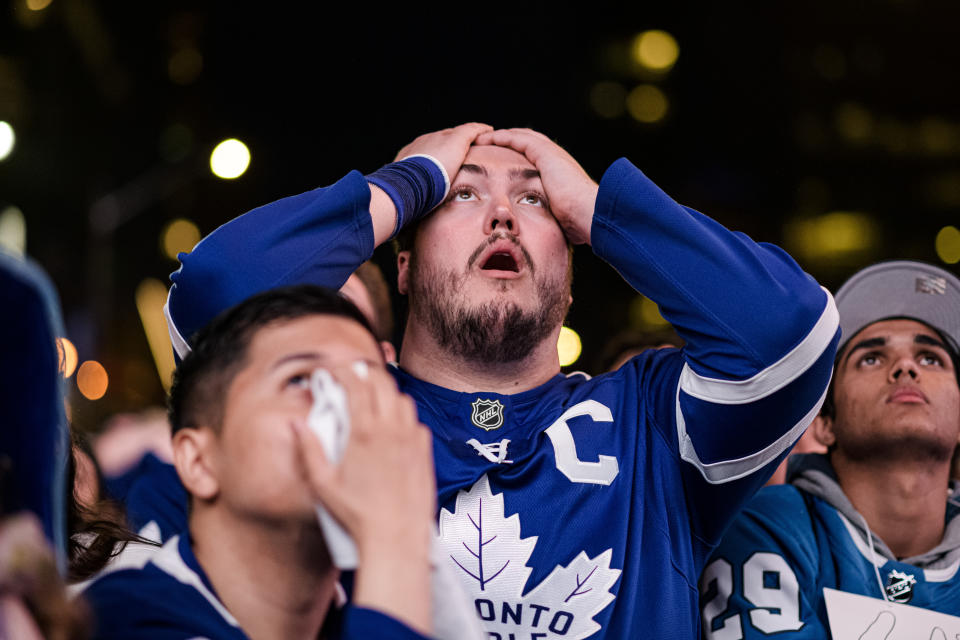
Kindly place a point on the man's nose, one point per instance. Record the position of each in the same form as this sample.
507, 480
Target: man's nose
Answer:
501, 217
904, 367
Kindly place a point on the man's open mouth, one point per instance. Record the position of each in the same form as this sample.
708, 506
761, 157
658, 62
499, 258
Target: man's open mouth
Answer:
501, 261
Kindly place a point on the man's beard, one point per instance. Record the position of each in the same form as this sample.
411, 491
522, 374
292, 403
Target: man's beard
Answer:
498, 331
893, 448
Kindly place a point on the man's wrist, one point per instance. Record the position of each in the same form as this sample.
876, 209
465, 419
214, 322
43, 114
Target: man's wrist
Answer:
416, 185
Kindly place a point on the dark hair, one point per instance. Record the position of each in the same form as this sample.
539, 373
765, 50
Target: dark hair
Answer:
98, 531
829, 408
219, 350
403, 241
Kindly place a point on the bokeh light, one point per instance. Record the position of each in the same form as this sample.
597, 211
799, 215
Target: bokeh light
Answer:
568, 346
832, 237
184, 66
151, 295
608, 99
67, 355
830, 62
179, 235
647, 104
38, 5
230, 159
655, 50
645, 314
948, 244
13, 231
92, 380
853, 122
7, 139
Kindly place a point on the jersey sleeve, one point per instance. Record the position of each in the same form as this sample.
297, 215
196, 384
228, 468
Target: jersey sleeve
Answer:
761, 336
318, 237
763, 578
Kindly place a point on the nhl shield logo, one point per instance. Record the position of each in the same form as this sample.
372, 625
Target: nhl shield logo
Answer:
487, 414
900, 586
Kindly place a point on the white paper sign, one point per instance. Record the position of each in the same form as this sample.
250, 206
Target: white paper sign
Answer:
856, 617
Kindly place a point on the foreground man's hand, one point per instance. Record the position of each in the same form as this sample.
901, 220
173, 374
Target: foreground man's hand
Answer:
383, 492
571, 192
449, 146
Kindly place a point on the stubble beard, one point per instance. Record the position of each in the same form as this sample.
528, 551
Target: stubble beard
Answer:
908, 446
494, 332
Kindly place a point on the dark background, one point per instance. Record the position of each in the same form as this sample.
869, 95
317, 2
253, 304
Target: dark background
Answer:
779, 113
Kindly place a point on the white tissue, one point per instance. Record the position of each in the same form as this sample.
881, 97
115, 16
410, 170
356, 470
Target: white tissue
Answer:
330, 421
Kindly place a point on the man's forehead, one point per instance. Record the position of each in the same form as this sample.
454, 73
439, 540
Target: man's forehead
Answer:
891, 327
494, 159
325, 337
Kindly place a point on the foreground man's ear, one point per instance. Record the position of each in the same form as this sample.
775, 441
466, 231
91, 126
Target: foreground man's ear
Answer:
389, 353
193, 456
403, 271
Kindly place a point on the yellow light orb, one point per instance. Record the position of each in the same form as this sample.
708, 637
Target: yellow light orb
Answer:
948, 245
645, 314
67, 355
655, 50
92, 380
7, 139
38, 5
568, 346
608, 99
179, 235
13, 231
185, 65
854, 123
230, 159
647, 104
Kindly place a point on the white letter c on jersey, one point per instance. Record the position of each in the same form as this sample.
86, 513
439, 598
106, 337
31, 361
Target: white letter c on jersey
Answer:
565, 450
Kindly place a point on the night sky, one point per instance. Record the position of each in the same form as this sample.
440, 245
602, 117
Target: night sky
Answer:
779, 113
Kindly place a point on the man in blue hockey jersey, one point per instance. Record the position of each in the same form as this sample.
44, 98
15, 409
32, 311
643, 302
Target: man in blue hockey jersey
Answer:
873, 515
253, 562
570, 507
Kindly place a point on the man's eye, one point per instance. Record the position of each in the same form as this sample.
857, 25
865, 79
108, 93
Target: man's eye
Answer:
930, 358
300, 380
869, 360
534, 199
463, 195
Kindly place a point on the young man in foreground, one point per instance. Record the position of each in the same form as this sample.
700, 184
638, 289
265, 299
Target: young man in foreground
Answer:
253, 562
570, 507
873, 515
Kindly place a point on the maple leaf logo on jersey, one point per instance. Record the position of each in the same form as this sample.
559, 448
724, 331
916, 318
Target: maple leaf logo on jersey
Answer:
490, 556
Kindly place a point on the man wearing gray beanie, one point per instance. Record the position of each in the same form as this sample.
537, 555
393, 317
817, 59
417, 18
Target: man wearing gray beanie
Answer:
873, 516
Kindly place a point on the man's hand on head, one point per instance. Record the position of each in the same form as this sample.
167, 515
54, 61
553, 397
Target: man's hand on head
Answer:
571, 192
449, 146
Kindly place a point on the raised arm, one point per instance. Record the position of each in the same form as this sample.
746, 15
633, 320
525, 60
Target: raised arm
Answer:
318, 237
760, 333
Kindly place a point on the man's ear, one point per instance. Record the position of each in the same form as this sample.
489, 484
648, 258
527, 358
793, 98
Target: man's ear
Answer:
389, 353
403, 271
823, 432
194, 457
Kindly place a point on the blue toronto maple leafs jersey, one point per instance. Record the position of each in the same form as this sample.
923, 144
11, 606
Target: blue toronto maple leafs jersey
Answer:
171, 598
583, 507
768, 574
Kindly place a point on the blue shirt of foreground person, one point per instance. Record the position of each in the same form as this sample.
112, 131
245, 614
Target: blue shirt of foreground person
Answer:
253, 562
